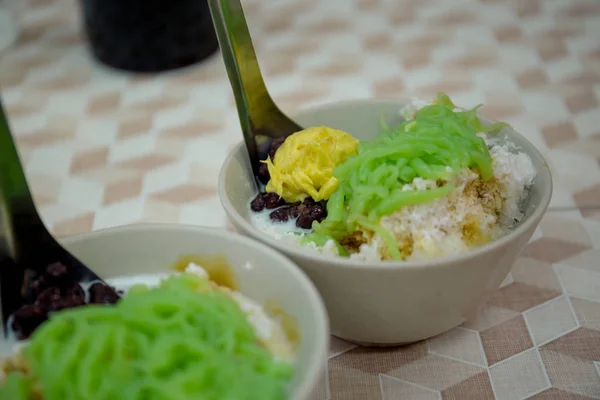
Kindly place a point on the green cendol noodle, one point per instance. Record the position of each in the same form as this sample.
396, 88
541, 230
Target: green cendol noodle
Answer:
437, 145
173, 342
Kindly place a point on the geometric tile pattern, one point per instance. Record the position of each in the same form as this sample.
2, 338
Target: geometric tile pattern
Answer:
104, 148
538, 337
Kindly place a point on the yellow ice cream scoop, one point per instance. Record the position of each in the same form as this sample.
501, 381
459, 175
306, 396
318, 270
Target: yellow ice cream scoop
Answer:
303, 165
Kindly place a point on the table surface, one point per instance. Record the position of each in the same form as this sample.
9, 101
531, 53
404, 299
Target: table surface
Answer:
103, 148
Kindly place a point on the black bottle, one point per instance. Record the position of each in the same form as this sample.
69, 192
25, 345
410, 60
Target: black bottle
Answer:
149, 35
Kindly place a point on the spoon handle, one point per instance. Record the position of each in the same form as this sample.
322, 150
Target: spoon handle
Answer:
28, 241
240, 58
15, 198
22, 231
260, 118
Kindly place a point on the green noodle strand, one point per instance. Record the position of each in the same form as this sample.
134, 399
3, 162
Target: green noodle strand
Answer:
16, 387
169, 343
438, 144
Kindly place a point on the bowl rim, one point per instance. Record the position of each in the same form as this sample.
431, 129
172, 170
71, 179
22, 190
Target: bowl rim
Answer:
315, 302
295, 252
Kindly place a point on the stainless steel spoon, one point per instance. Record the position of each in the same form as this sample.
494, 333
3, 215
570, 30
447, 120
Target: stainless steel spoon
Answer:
28, 248
261, 120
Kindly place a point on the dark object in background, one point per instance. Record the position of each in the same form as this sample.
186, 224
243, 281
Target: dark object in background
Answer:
149, 35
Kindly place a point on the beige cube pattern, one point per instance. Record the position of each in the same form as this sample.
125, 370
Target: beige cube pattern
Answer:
103, 148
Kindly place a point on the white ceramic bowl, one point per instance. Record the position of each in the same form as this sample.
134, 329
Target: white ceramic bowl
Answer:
263, 275
387, 303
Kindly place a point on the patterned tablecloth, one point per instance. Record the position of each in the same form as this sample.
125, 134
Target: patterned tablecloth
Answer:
103, 148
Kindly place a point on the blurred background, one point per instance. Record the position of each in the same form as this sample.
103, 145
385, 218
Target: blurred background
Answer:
105, 144
123, 114
10, 15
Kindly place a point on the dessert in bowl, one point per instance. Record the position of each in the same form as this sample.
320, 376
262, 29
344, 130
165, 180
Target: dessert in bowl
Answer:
407, 215
203, 313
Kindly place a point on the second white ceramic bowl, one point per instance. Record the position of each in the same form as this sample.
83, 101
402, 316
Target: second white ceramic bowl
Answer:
262, 273
388, 303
